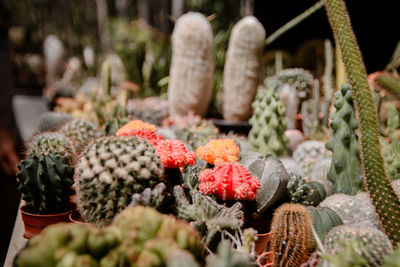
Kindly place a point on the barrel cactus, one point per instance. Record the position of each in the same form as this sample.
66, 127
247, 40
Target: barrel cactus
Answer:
191, 75
51, 121
323, 219
242, 68
80, 132
109, 172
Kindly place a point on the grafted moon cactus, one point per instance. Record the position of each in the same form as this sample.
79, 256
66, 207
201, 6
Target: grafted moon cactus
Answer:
191, 76
242, 68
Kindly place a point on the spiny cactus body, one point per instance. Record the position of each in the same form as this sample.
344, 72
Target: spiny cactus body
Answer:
345, 170
268, 126
219, 151
51, 121
80, 132
319, 173
392, 160
191, 76
109, 172
242, 68
303, 191
309, 153
390, 83
45, 182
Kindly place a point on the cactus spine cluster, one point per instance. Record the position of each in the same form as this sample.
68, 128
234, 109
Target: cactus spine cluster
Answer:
373, 243
376, 181
345, 170
109, 172
291, 236
242, 68
267, 134
191, 76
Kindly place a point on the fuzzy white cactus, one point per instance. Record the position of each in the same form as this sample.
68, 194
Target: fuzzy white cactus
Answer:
242, 68
191, 76
53, 51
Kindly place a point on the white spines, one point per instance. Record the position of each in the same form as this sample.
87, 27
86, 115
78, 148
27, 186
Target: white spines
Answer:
242, 68
192, 68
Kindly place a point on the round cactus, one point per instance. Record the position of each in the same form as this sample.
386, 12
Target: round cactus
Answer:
80, 132
219, 151
305, 192
173, 154
144, 133
309, 153
319, 173
51, 121
110, 171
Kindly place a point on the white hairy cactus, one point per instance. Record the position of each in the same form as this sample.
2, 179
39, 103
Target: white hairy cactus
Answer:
242, 68
192, 68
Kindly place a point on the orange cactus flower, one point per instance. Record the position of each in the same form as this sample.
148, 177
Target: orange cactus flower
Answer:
135, 124
219, 151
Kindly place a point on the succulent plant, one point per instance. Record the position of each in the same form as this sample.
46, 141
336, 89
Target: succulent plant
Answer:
272, 176
119, 118
227, 257
396, 187
51, 121
303, 191
268, 126
109, 172
309, 153
197, 134
80, 132
390, 83
173, 154
144, 133
291, 236
191, 175
135, 125
45, 182
292, 166
229, 181
319, 173
392, 160
154, 198
393, 122
207, 214
218, 151
242, 68
151, 109
181, 258
51, 142
392, 259
374, 244
192, 68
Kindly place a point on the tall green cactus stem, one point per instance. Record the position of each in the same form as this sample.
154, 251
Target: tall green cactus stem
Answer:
391, 84
267, 134
345, 170
373, 169
291, 235
106, 77
392, 160
242, 68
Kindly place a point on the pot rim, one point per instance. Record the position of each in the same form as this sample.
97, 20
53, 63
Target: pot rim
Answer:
72, 208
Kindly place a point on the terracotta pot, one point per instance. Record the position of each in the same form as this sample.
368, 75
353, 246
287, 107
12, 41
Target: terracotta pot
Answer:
265, 258
75, 217
35, 223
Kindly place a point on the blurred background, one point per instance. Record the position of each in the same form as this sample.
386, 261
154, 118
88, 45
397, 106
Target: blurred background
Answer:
76, 36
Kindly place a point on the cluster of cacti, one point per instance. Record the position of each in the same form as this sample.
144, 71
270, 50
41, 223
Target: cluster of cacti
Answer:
229, 181
345, 170
45, 181
373, 243
308, 153
51, 121
207, 213
323, 219
138, 237
267, 134
219, 151
242, 68
80, 132
272, 177
372, 164
191, 75
109, 172
303, 191
291, 236
392, 160
48, 142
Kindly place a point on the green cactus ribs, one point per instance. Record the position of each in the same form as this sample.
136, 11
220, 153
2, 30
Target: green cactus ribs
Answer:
372, 165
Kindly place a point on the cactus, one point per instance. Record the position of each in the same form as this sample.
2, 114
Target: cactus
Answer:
144, 133
80, 132
206, 213
391, 84
272, 176
219, 151
393, 122
352, 209
310, 110
198, 134
173, 154
109, 172
49, 142
396, 187
267, 134
227, 257
345, 170
151, 109
51, 121
305, 192
229, 181
374, 244
319, 173
324, 219
138, 237
392, 259
292, 166
135, 125
119, 118
372, 165
45, 182
291, 236
191, 75
308, 153
392, 160
242, 68
154, 198
181, 258
106, 77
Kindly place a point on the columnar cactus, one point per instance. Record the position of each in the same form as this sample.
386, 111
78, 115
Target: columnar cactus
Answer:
345, 170
109, 172
373, 243
191, 75
51, 121
80, 132
242, 68
291, 236
45, 182
376, 181
390, 83
392, 160
267, 134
